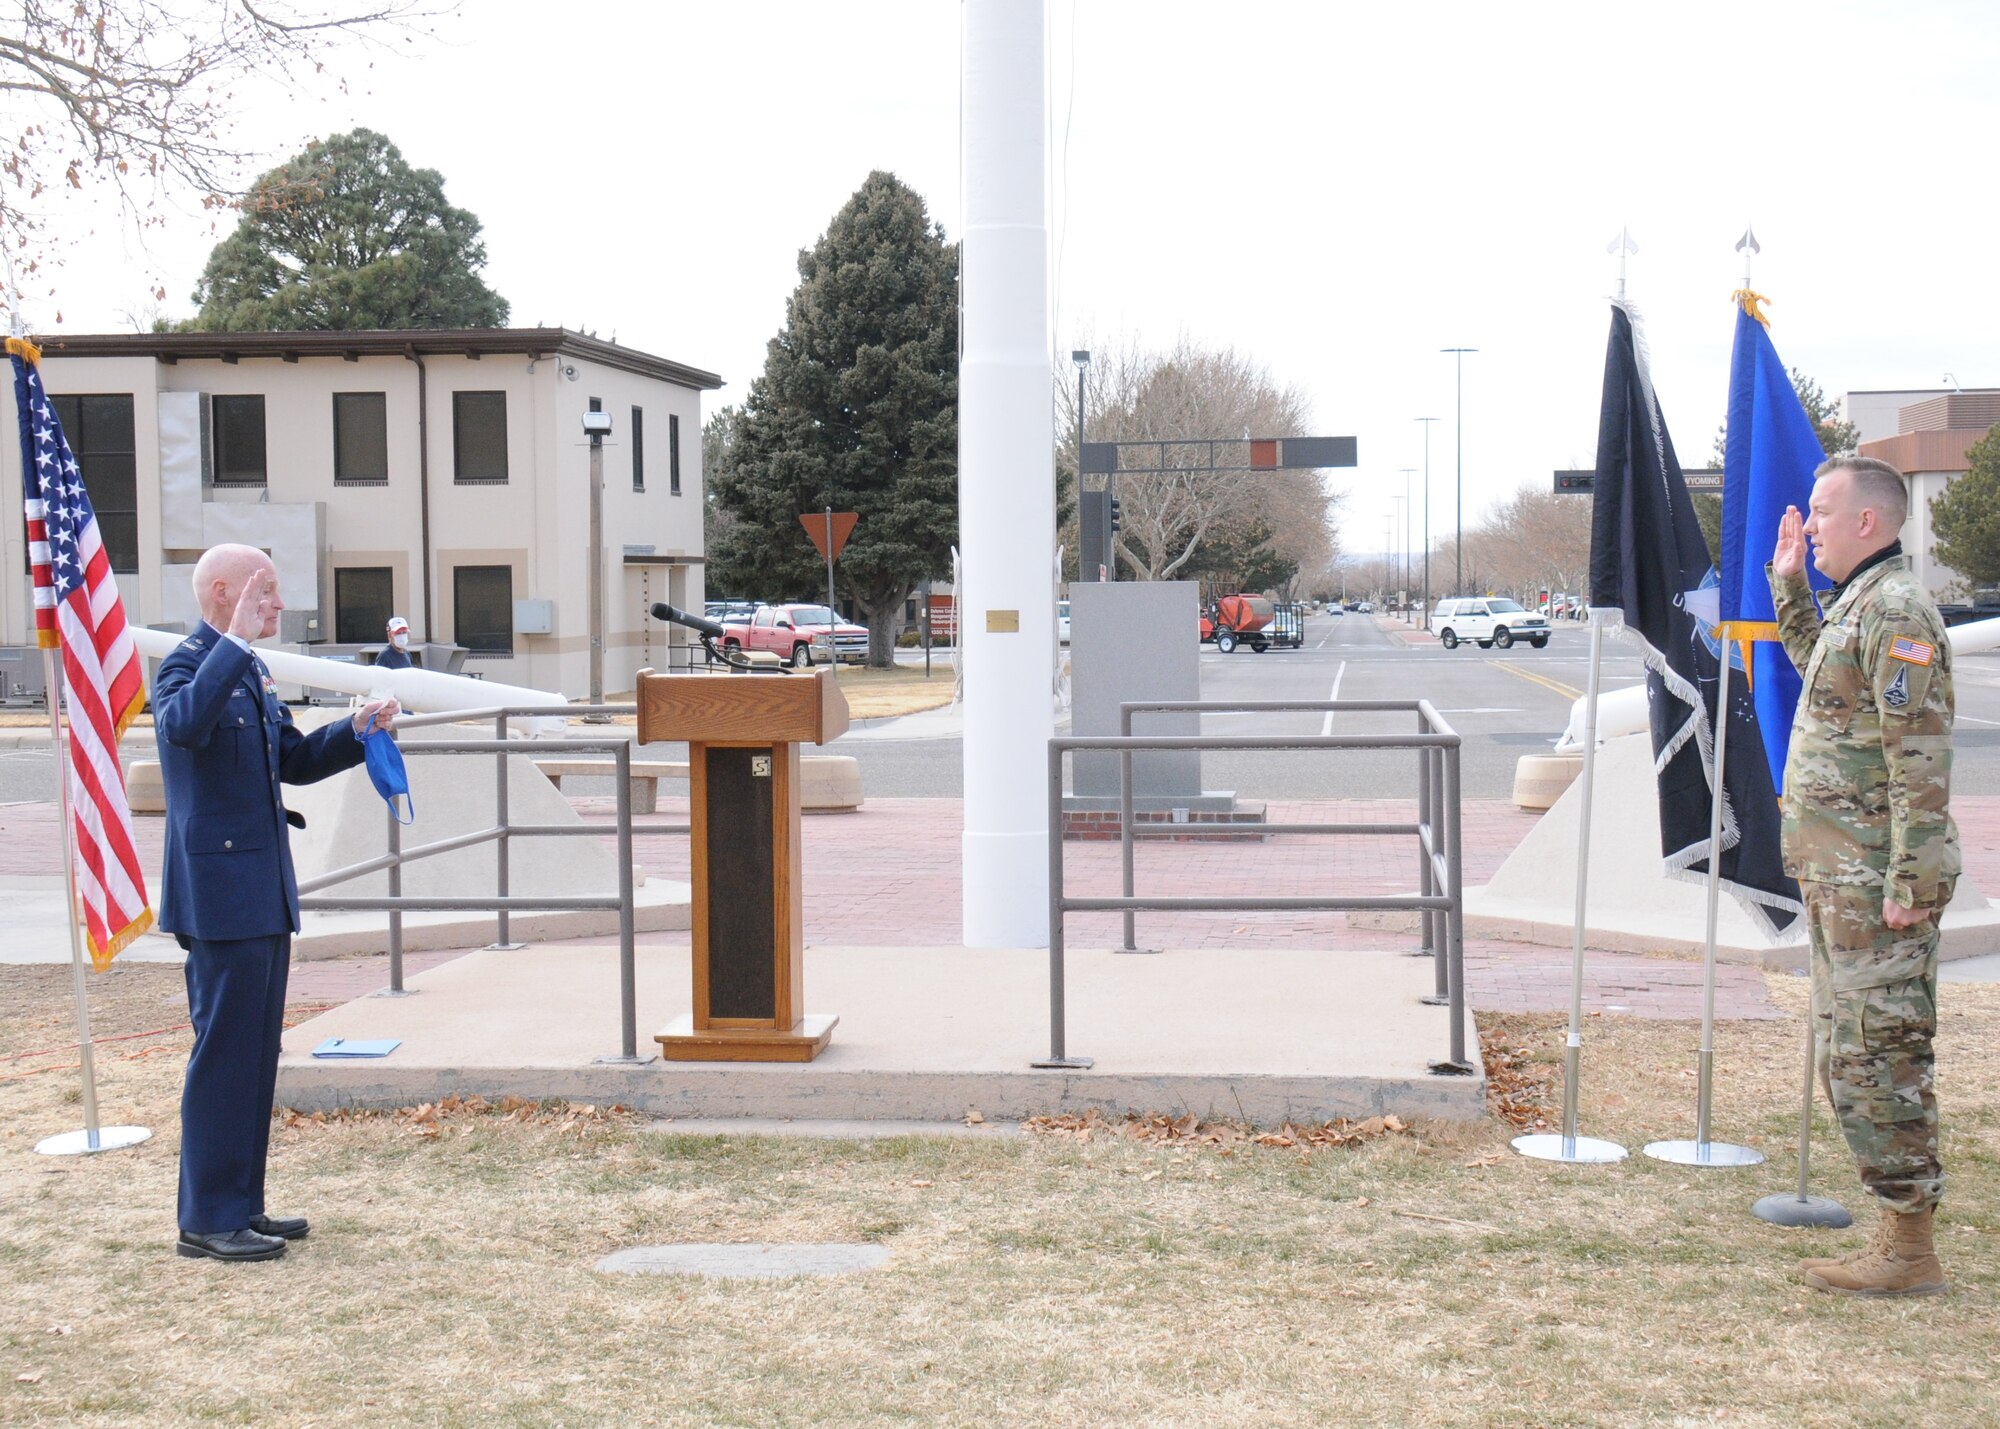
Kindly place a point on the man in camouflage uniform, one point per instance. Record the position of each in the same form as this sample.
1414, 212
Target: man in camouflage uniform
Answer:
1867, 834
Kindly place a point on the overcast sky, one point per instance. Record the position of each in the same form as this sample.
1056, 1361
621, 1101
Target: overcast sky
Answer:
1335, 190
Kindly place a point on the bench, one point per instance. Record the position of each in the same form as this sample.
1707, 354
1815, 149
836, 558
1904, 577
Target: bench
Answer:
643, 779
828, 783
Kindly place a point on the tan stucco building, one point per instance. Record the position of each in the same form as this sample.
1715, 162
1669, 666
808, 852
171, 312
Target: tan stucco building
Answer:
441, 475
1925, 435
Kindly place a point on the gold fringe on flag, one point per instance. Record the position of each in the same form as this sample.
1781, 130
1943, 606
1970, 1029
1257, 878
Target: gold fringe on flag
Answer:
1751, 303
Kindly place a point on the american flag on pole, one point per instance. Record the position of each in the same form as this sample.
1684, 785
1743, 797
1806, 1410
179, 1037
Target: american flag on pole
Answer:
77, 609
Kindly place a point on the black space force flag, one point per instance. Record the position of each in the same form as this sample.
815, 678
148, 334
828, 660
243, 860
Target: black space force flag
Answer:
1647, 556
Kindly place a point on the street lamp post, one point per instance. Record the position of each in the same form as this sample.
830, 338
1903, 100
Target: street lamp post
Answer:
1081, 357
1409, 521
1458, 424
1427, 421
596, 426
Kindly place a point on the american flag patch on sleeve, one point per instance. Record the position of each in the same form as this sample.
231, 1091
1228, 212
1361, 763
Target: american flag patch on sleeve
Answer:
1914, 652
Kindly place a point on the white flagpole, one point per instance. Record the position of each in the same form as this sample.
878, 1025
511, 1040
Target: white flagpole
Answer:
93, 1137
1567, 1145
1701, 1151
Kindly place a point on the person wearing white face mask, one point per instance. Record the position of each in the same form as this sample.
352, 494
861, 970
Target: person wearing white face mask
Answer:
397, 656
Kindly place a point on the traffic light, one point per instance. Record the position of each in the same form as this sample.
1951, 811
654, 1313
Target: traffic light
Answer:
1114, 515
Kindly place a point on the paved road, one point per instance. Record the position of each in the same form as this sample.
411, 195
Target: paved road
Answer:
1502, 703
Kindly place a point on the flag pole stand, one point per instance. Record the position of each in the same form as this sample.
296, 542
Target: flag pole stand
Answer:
1702, 1151
1803, 1208
1567, 1145
92, 1138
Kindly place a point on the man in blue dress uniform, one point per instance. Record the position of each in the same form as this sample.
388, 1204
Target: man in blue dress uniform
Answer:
229, 894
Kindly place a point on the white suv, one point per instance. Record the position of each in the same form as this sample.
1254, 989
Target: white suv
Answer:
1489, 620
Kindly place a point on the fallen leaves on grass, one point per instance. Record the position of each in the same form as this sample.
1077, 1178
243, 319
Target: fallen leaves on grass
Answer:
429, 1118
1518, 1088
1228, 1137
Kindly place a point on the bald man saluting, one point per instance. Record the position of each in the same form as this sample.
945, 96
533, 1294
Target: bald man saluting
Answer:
229, 895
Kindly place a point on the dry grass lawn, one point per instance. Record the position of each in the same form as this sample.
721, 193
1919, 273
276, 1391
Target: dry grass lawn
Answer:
1033, 1280
875, 694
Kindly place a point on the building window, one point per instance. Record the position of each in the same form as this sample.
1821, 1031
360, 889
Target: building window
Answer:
673, 455
638, 449
361, 438
239, 440
363, 599
482, 599
99, 430
479, 437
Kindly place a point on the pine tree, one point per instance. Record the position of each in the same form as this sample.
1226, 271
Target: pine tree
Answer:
856, 409
347, 236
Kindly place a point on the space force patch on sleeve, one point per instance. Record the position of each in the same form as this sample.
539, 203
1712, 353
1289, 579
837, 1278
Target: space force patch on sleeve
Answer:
1911, 652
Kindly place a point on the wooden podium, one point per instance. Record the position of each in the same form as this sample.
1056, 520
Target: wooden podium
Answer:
743, 733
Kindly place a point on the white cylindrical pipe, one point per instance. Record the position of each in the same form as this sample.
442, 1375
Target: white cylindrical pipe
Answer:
418, 691
1624, 711
1006, 477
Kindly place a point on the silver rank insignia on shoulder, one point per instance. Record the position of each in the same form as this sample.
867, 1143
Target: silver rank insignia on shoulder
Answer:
1898, 693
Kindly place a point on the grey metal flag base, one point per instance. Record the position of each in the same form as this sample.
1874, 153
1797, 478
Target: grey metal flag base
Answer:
1786, 1209
86, 1142
1704, 1153
1800, 1208
1583, 1150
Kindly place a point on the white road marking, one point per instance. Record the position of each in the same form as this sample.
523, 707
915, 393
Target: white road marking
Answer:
1326, 725
1490, 709
1970, 719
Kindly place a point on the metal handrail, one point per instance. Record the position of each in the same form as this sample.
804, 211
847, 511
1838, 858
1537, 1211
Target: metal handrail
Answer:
503, 903
1439, 901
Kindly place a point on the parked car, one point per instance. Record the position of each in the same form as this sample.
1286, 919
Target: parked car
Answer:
1488, 621
798, 634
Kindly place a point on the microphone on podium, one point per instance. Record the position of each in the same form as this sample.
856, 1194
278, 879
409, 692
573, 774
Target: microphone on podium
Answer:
700, 624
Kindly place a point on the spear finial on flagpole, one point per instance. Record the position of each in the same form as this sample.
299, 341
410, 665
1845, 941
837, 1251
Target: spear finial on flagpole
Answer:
1751, 301
1621, 245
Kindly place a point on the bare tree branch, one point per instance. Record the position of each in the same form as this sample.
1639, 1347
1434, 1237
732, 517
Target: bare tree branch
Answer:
140, 97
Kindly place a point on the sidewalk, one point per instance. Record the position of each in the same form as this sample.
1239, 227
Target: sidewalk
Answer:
887, 876
1411, 635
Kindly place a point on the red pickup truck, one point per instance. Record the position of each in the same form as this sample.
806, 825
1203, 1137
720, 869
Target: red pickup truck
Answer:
798, 634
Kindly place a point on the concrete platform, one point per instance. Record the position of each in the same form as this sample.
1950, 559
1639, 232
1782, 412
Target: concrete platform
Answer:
924, 1034
1634, 905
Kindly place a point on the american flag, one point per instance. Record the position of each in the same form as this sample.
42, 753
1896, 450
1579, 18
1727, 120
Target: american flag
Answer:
77, 609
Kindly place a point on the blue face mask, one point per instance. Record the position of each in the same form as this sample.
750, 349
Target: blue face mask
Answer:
386, 773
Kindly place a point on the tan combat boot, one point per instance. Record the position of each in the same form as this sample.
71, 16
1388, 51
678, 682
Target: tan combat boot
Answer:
1877, 1243
1899, 1261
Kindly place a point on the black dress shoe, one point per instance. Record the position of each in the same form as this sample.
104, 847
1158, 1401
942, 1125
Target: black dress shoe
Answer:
229, 1245
283, 1227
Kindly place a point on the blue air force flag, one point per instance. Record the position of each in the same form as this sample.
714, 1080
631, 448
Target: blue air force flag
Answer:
1771, 451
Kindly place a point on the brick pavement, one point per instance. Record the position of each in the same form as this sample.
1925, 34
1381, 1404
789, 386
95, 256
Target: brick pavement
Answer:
888, 875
